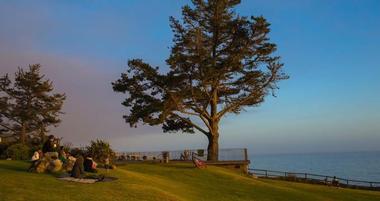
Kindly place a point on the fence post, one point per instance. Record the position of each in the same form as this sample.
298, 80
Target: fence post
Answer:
370, 183
245, 154
266, 173
305, 176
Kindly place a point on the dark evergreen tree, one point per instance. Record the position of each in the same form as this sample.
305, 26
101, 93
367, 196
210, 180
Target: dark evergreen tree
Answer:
220, 63
28, 106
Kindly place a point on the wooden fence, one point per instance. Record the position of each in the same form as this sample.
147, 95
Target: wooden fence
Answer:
316, 178
234, 154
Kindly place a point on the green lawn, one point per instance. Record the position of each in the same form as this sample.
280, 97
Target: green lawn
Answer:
165, 182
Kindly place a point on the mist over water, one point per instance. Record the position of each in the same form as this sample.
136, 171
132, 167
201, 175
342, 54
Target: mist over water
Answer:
350, 165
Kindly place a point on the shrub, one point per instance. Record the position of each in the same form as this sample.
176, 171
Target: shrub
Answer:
67, 147
100, 150
3, 149
18, 152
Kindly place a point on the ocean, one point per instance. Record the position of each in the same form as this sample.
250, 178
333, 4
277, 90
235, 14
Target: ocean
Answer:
348, 165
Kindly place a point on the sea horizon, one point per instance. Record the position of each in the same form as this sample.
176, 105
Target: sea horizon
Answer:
356, 165
314, 152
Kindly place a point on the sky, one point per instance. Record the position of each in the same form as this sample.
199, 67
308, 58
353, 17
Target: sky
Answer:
330, 49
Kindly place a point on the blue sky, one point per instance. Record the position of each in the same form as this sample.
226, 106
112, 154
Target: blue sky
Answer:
330, 50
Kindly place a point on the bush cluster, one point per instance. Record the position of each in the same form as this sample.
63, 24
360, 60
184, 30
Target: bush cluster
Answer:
3, 149
100, 150
18, 151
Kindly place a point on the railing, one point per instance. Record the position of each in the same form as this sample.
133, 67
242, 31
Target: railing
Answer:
238, 154
316, 178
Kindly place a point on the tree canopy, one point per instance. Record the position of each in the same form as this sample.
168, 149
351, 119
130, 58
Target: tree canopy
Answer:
28, 106
220, 63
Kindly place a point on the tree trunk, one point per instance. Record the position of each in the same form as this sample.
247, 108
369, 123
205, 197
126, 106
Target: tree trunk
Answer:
213, 148
23, 134
213, 136
42, 135
213, 141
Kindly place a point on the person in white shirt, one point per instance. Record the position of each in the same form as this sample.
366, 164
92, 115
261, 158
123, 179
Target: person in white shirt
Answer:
36, 156
35, 160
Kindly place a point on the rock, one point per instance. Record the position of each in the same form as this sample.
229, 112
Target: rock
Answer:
49, 162
42, 165
68, 166
51, 155
55, 165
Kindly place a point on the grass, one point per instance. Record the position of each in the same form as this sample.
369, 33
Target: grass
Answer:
174, 181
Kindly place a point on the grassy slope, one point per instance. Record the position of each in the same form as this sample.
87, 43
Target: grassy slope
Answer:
165, 182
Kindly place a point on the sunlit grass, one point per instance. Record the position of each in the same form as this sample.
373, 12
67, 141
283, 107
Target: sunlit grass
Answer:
173, 181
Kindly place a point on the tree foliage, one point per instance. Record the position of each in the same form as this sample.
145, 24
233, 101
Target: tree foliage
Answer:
100, 150
18, 151
28, 106
220, 63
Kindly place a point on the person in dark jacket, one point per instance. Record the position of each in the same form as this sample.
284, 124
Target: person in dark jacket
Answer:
49, 145
78, 170
90, 165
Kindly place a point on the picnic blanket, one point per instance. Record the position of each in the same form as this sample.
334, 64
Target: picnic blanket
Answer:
72, 179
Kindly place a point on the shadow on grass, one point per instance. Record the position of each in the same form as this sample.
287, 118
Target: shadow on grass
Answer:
175, 164
180, 165
17, 167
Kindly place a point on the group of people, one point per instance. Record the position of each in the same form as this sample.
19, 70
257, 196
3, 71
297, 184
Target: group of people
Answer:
83, 162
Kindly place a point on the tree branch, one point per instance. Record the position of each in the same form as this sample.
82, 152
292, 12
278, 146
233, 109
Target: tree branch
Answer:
192, 124
7, 127
205, 121
236, 104
179, 108
202, 111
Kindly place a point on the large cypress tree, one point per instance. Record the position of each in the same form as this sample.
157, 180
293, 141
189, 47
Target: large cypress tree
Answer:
28, 106
220, 63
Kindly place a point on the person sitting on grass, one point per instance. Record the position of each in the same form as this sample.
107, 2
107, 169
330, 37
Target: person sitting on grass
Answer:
335, 182
198, 163
185, 155
35, 160
107, 163
90, 165
78, 170
69, 164
62, 155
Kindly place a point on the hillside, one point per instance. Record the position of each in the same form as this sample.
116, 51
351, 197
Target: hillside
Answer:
165, 182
